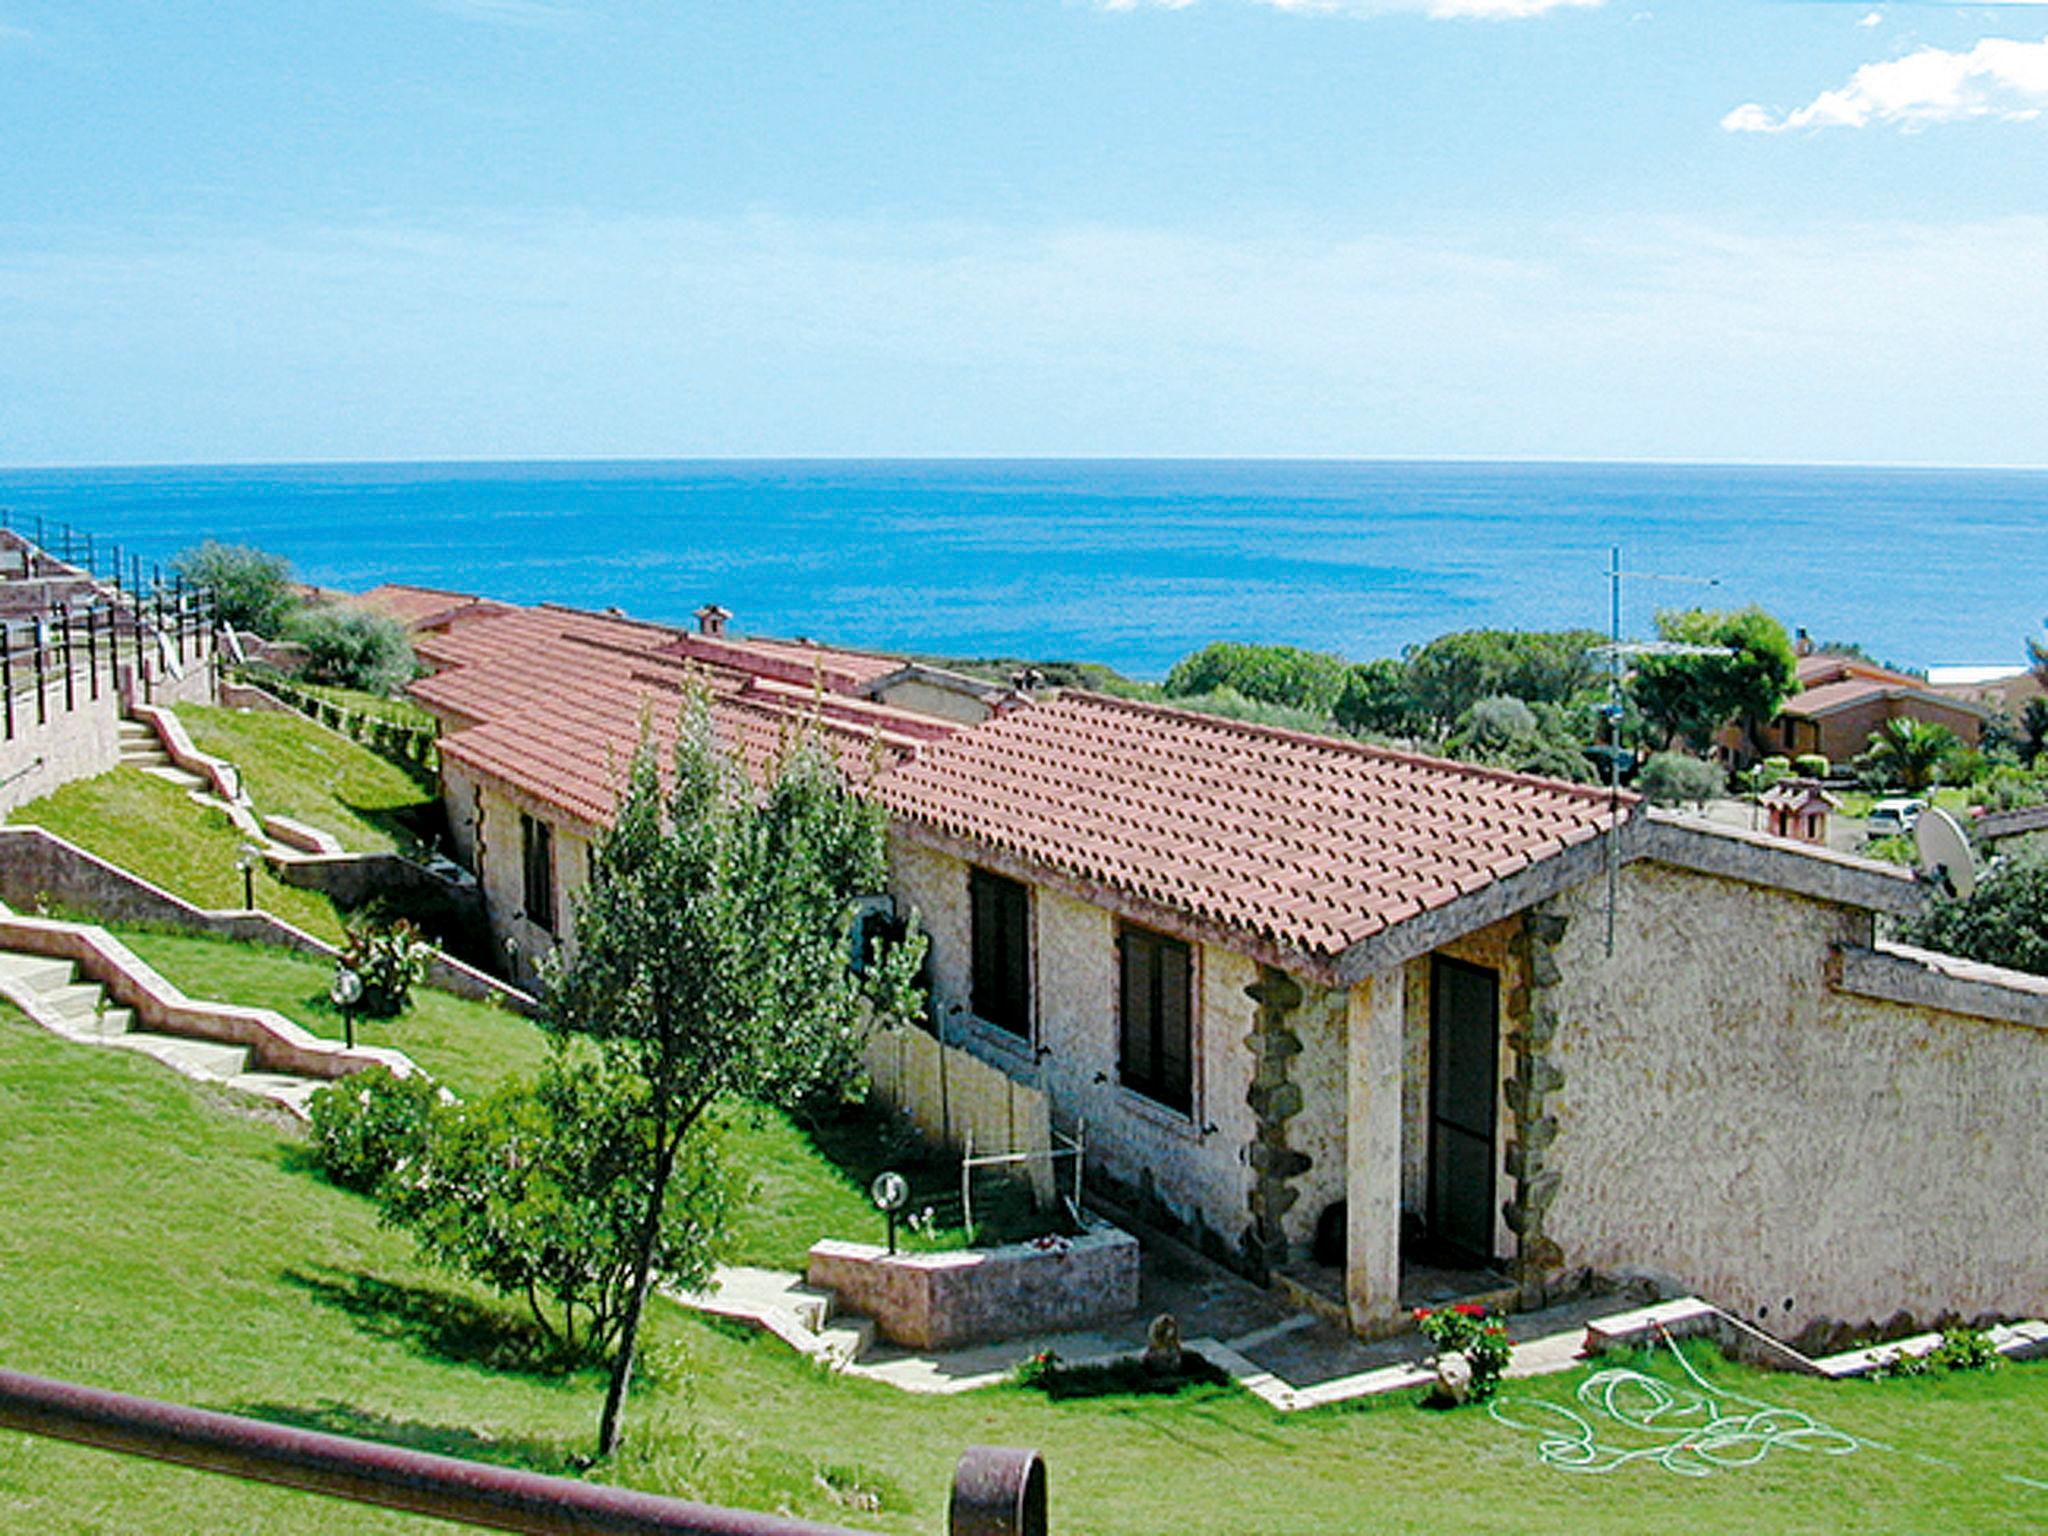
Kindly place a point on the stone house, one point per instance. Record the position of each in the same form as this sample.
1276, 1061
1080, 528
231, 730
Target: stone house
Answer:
1357, 1017
1352, 1018
1843, 699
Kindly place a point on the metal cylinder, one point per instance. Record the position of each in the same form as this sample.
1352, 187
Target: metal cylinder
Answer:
998, 1490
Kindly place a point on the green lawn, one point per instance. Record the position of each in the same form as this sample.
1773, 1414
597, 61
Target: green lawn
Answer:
157, 1241
154, 830
293, 767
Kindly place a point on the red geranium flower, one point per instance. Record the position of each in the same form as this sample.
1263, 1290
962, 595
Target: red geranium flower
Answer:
1469, 1309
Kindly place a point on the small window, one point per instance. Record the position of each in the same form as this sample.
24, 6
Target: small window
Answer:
537, 842
1002, 951
1157, 1017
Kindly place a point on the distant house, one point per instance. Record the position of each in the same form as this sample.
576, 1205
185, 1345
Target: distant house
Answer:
1359, 1020
1799, 809
1843, 699
2006, 690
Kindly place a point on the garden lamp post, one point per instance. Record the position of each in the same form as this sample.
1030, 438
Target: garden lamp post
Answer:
346, 992
891, 1193
245, 860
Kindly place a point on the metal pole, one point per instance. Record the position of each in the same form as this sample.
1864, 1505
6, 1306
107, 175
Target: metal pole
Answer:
39, 633
1614, 713
7, 672
70, 685
92, 647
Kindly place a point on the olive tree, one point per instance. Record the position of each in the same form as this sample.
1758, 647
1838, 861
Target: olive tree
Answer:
711, 957
252, 588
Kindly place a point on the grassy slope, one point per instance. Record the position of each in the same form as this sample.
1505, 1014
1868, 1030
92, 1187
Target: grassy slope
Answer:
292, 767
466, 1045
153, 829
402, 711
157, 1242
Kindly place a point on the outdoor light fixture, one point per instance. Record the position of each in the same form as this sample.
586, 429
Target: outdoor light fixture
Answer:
346, 992
246, 860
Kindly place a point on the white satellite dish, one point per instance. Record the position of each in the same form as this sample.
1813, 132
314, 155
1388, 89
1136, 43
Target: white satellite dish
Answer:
1945, 857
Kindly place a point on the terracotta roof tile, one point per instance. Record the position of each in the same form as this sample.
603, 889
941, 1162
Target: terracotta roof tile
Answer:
1310, 843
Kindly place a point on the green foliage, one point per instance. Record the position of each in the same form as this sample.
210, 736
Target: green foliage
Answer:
1469, 1330
1960, 1349
2011, 789
349, 648
1272, 674
1450, 674
251, 588
711, 951
2004, 922
539, 1190
1232, 705
2032, 743
1691, 697
1376, 700
1676, 778
1812, 765
1907, 754
366, 1124
391, 961
1504, 732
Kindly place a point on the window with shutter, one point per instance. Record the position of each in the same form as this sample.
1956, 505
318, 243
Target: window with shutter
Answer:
537, 846
1156, 1017
1001, 942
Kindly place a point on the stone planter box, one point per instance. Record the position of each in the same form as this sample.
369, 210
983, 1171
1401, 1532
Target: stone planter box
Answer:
978, 1295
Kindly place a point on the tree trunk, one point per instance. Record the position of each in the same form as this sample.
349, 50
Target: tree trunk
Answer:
636, 1299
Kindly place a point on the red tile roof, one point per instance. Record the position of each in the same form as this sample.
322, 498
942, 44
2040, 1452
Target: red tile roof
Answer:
551, 701
413, 605
1830, 698
1308, 843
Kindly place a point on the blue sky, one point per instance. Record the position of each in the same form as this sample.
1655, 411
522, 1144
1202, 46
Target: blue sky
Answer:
393, 229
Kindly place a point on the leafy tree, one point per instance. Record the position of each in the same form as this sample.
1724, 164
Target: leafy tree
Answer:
710, 958
538, 1190
353, 649
2033, 732
1674, 778
1450, 674
1273, 674
1910, 754
2005, 921
251, 588
1376, 698
1692, 697
1229, 704
1504, 732
2037, 659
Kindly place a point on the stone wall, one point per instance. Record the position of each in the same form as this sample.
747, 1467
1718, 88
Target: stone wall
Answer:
80, 743
1190, 1170
946, 1300
1813, 1159
484, 827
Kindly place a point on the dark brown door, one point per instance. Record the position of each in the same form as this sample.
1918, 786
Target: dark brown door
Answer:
1464, 1093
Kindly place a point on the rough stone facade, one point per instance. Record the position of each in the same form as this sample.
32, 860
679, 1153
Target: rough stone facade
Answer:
1816, 1160
483, 826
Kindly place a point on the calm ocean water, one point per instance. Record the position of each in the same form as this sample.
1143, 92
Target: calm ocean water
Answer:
1133, 563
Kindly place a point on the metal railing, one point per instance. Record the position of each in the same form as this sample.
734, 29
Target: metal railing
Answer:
997, 1491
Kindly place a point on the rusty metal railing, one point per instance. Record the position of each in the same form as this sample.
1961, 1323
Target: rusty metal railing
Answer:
997, 1491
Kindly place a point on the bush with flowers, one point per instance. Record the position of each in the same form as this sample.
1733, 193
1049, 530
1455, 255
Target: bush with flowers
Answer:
1469, 1330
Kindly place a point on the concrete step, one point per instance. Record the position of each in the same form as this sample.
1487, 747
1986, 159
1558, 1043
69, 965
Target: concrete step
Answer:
279, 1087
35, 972
75, 1000
177, 776
103, 1028
845, 1340
136, 731
195, 1058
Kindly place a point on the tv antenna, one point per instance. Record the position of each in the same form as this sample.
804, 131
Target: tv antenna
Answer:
1946, 862
1614, 652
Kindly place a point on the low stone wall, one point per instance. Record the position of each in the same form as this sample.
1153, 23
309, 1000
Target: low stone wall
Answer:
36, 865
275, 1042
80, 743
977, 1296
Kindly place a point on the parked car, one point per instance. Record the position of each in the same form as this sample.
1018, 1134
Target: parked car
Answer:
1893, 818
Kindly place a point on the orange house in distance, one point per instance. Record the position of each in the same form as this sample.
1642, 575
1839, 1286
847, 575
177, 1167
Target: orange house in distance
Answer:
1842, 699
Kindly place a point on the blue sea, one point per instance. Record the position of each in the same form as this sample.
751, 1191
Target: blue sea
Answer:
1133, 563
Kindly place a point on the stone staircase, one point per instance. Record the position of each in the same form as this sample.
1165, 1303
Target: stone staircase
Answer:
802, 1316
53, 994
141, 748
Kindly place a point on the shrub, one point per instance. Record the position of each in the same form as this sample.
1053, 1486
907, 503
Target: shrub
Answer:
1473, 1332
1811, 765
2011, 789
1960, 1349
251, 589
1127, 1377
348, 648
391, 961
1272, 674
368, 1123
2005, 921
538, 1190
1674, 778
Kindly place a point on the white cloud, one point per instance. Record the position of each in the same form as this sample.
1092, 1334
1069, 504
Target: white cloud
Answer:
1442, 10
2001, 77
1871, 19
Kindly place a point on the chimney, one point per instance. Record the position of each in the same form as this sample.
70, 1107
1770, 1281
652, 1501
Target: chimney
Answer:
1802, 643
711, 620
